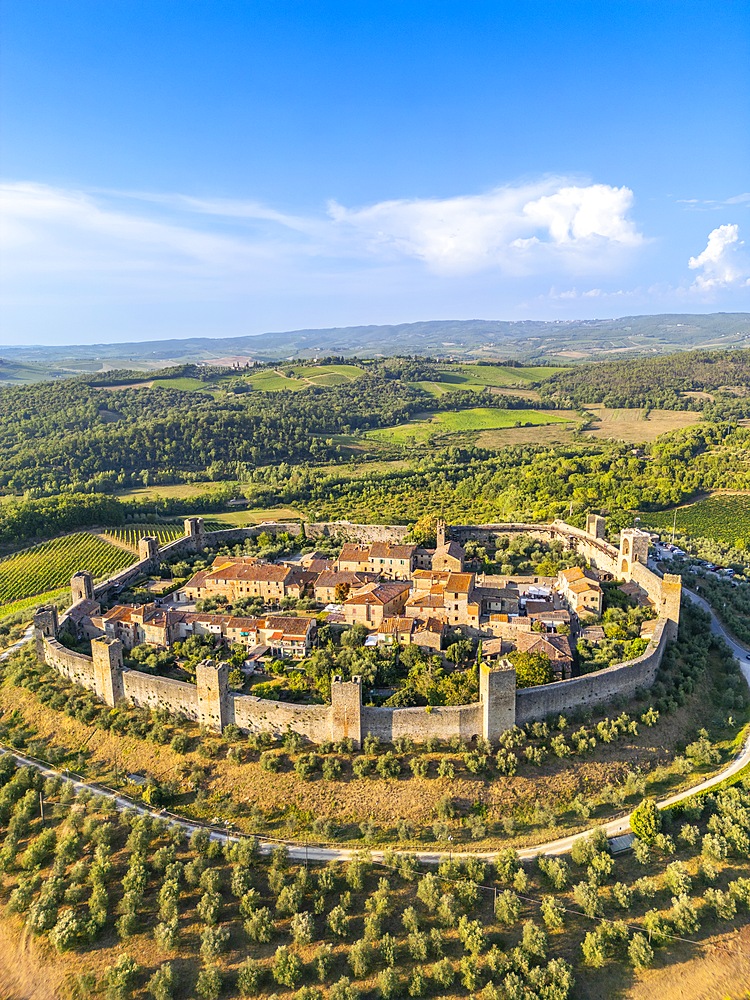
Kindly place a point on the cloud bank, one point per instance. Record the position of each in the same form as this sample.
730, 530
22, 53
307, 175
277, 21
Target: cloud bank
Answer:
724, 262
548, 226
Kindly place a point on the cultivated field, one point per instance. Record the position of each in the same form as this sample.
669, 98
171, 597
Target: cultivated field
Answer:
480, 418
636, 425
50, 565
129, 537
723, 516
477, 377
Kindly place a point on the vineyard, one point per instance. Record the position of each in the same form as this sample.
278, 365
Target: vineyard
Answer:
49, 566
724, 517
130, 536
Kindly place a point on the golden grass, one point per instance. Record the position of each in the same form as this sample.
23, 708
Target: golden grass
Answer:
634, 426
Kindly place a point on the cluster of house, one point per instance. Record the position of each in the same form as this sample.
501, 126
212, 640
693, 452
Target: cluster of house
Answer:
403, 594
280, 636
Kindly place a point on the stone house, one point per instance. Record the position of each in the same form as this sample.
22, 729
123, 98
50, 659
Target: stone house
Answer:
327, 582
580, 591
374, 602
388, 560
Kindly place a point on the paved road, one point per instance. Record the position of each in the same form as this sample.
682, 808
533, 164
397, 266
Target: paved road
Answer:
302, 852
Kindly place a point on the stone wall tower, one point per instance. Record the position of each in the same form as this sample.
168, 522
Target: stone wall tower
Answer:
148, 548
497, 695
634, 546
107, 665
45, 626
346, 710
214, 708
671, 597
82, 587
596, 526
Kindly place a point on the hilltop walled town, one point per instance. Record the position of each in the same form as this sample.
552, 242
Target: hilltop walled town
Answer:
401, 594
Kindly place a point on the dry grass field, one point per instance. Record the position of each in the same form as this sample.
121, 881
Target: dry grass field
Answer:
634, 426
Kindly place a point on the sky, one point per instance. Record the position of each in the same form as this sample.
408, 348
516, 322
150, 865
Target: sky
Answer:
180, 168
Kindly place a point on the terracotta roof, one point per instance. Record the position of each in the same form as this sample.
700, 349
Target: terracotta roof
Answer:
556, 647
429, 625
584, 586
492, 647
460, 583
574, 573
391, 625
354, 553
421, 599
386, 550
378, 593
451, 548
333, 577
198, 581
258, 573
289, 626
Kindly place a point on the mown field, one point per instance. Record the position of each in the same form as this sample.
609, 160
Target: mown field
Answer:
49, 566
637, 426
479, 418
723, 516
478, 377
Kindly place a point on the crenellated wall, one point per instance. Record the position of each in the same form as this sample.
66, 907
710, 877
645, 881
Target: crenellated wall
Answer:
622, 680
161, 692
439, 722
256, 715
77, 667
365, 533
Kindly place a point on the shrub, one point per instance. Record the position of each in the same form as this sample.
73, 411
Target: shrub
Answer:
645, 821
360, 958
343, 990
119, 979
248, 978
209, 983
323, 961
287, 967
388, 984
302, 928
162, 982
507, 908
552, 913
640, 952
214, 941
67, 931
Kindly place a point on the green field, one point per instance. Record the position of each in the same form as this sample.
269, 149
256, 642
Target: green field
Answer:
478, 377
187, 384
49, 566
480, 418
723, 516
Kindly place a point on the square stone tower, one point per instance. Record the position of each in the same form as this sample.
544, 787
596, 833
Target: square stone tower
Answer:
82, 587
107, 666
148, 548
214, 700
346, 709
497, 695
634, 545
596, 526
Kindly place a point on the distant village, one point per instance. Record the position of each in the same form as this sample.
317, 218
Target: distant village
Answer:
402, 594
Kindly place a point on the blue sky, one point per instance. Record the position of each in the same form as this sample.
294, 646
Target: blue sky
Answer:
210, 167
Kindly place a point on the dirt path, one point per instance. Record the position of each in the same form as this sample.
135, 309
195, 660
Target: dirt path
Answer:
25, 972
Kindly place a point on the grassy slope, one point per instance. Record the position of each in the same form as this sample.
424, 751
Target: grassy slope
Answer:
453, 422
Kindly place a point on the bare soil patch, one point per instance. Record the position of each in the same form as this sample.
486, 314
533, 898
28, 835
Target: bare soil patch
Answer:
27, 970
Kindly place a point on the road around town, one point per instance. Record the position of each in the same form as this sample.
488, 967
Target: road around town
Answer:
314, 852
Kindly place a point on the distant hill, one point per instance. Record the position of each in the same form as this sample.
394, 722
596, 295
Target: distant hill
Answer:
528, 340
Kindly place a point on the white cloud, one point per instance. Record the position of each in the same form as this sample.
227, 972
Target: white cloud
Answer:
723, 263
515, 229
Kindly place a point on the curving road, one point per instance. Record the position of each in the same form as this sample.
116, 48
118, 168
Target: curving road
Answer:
312, 852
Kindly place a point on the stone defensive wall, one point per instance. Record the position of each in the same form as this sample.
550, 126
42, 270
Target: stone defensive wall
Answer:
500, 706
